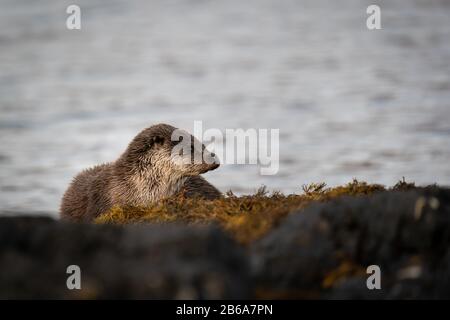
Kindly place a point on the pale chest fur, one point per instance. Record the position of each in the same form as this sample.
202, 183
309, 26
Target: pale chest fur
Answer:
140, 190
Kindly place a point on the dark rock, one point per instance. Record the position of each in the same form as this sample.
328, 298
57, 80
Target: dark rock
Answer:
323, 251
159, 261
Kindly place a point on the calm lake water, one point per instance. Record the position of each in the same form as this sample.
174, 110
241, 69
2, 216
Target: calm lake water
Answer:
349, 102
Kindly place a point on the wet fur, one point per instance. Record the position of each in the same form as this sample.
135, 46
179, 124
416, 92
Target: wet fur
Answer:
141, 176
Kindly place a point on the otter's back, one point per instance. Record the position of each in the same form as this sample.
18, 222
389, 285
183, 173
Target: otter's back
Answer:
82, 200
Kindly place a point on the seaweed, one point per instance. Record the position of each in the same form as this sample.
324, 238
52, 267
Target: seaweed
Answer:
246, 218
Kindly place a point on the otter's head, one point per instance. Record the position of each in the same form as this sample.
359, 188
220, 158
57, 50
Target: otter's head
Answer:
165, 150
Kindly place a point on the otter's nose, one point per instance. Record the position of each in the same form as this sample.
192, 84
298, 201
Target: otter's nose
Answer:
216, 162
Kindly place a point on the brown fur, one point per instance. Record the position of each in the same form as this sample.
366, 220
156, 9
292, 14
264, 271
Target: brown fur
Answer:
145, 173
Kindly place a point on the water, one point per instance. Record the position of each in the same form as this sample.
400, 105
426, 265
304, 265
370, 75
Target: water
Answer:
349, 102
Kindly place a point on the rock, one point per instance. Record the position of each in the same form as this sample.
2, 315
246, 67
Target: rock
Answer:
324, 250
154, 262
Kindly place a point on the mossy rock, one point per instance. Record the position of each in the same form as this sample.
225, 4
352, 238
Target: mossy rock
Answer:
245, 218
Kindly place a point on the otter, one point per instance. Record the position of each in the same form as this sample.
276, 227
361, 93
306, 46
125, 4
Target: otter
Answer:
147, 172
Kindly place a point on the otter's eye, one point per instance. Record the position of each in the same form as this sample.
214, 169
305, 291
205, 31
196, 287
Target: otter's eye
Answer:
157, 140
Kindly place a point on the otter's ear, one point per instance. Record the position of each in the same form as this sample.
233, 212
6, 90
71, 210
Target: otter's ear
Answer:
156, 141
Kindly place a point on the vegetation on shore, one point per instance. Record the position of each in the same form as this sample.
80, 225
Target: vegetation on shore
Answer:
246, 218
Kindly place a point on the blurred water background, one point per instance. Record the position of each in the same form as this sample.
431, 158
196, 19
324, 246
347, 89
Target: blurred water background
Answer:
349, 102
